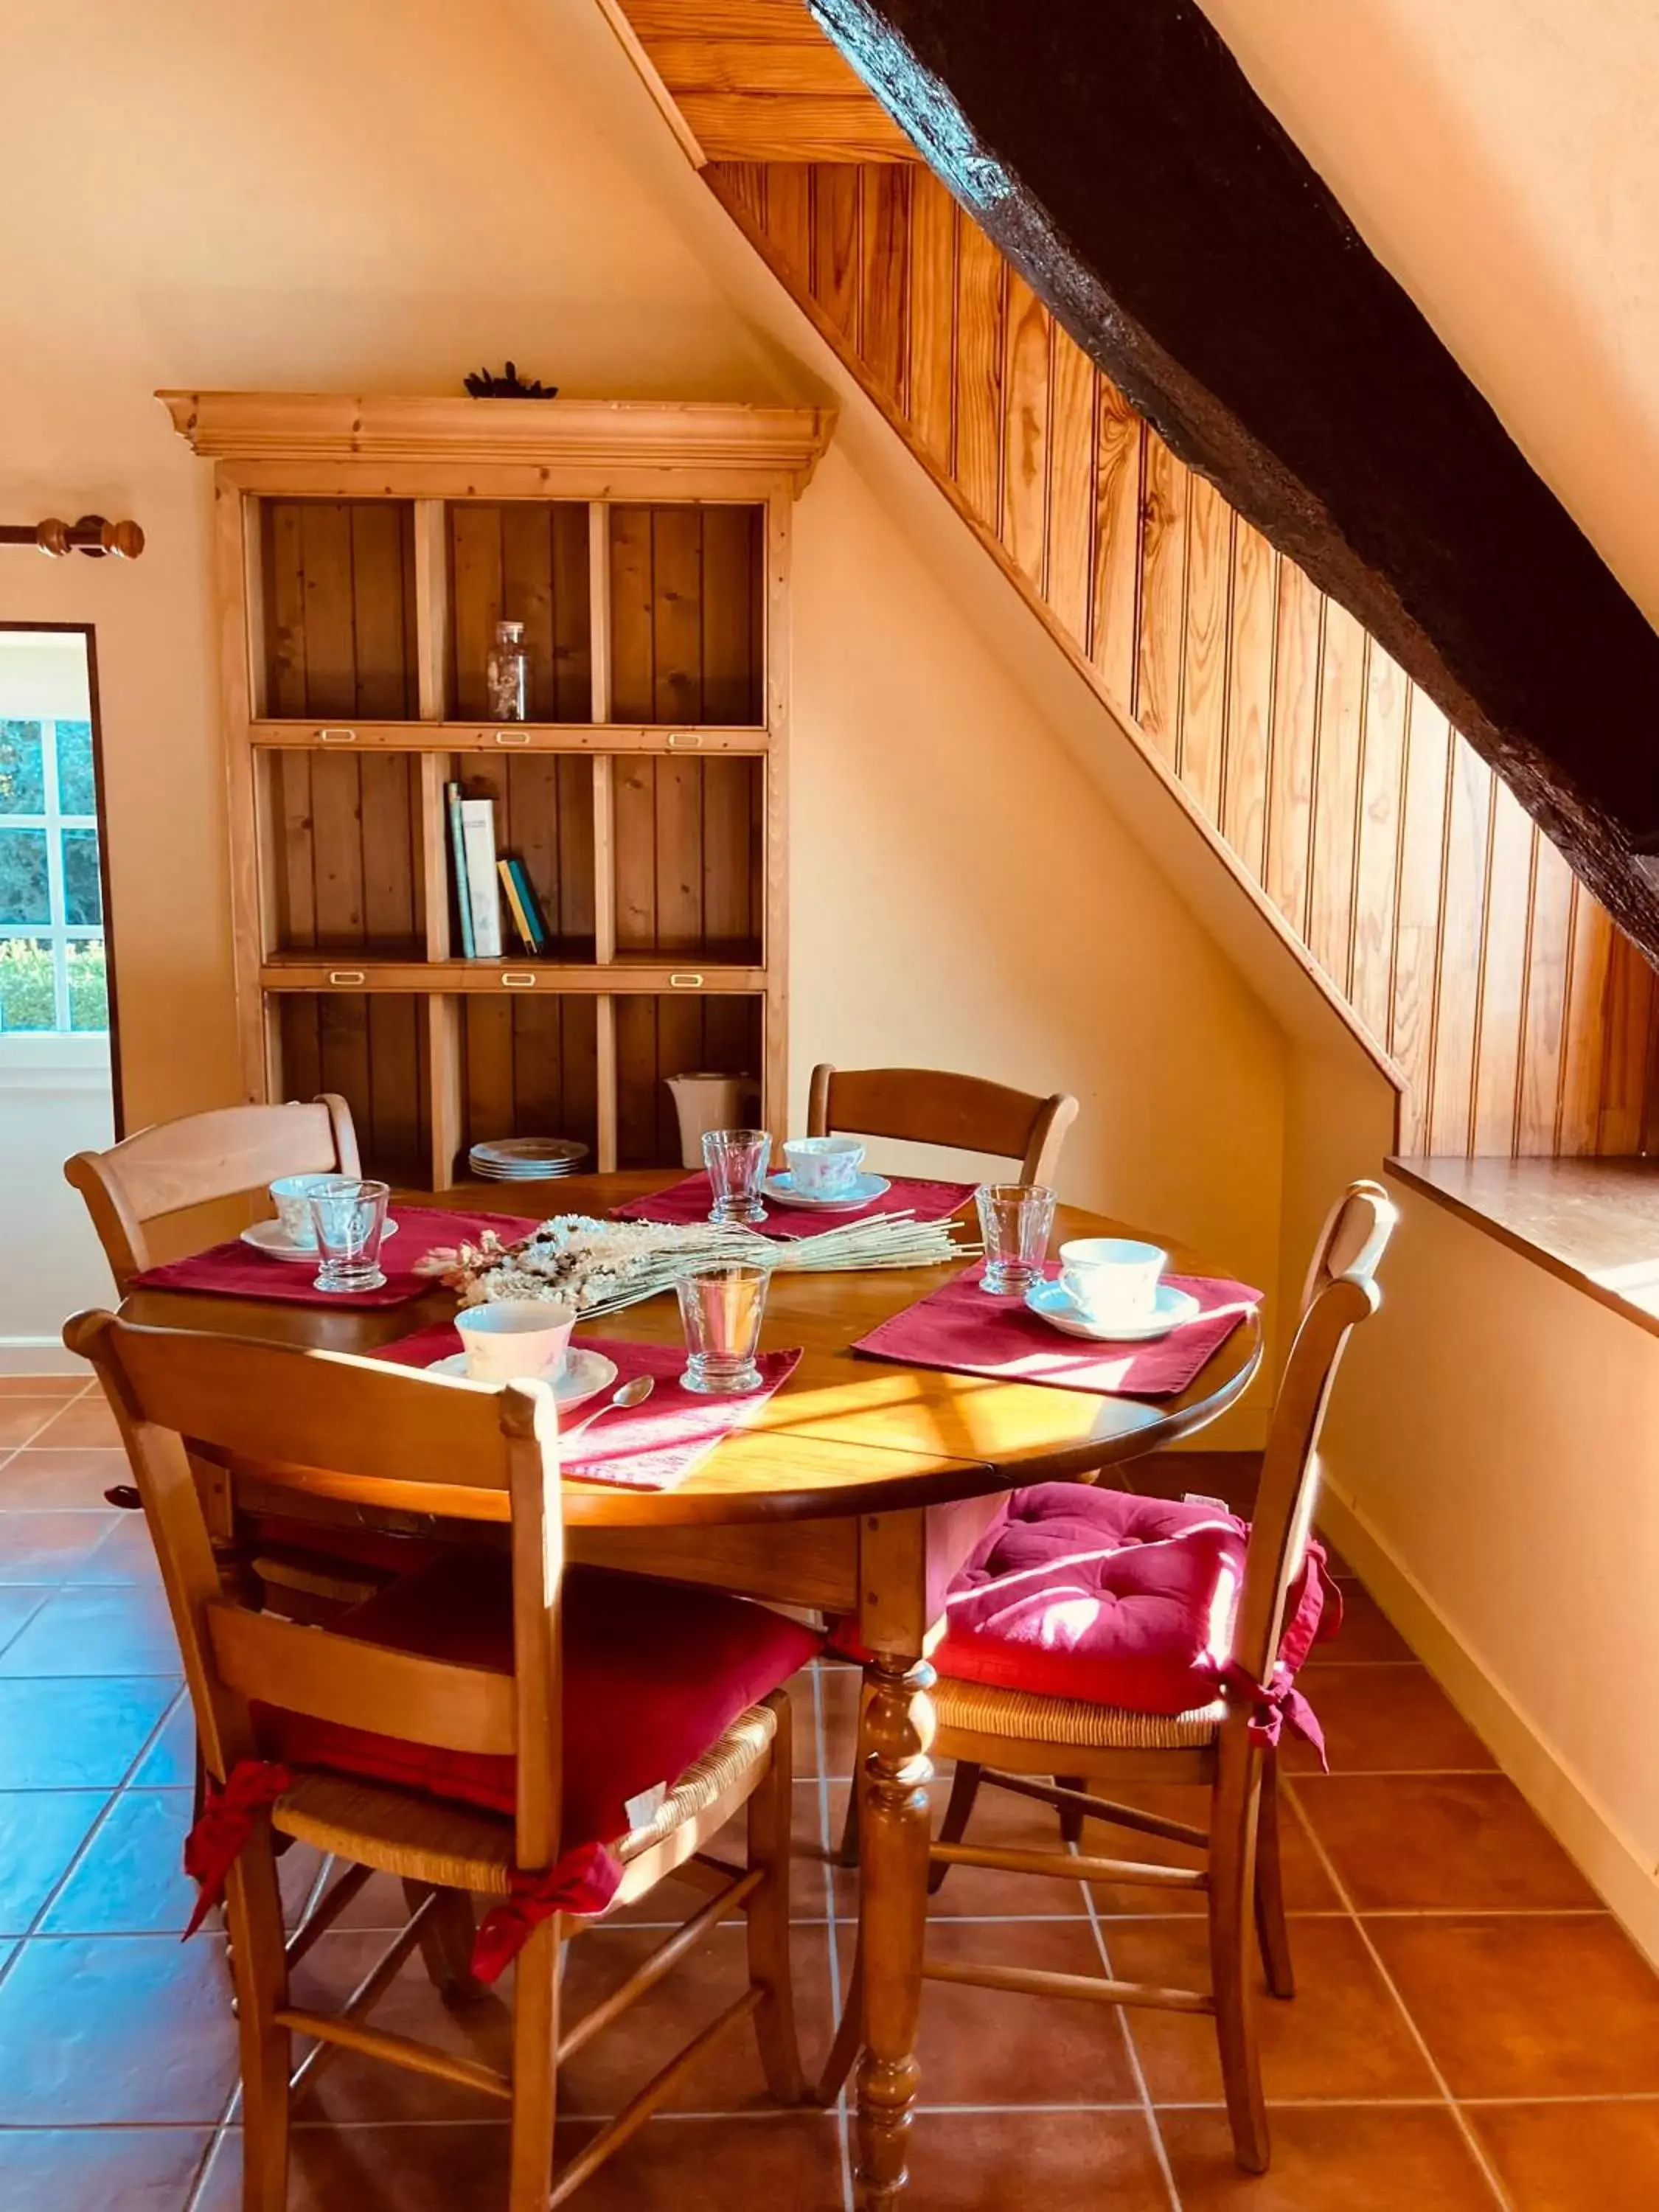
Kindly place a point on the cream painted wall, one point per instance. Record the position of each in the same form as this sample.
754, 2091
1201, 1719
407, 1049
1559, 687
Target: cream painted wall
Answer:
494, 180
1496, 155
1493, 1450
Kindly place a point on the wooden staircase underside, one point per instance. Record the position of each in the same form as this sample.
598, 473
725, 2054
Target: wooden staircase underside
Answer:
1446, 927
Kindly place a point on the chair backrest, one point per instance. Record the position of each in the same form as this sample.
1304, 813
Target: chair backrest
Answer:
1357, 1234
288, 1409
200, 1157
927, 1106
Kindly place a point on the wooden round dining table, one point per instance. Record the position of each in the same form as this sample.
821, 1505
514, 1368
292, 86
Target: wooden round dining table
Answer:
857, 1491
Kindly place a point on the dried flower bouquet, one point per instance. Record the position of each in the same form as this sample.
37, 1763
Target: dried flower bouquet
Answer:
598, 1267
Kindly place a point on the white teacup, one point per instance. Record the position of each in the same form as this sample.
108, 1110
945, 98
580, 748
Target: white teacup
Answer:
824, 1167
1111, 1277
515, 1338
291, 1195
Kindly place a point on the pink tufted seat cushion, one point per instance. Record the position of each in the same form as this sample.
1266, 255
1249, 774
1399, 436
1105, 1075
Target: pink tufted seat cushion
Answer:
1094, 1594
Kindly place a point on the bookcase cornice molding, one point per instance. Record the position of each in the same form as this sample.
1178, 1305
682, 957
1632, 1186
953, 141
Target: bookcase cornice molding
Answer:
707, 439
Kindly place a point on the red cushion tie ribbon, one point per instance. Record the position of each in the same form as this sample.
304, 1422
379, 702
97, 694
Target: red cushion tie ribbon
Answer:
1272, 1704
227, 1815
583, 1882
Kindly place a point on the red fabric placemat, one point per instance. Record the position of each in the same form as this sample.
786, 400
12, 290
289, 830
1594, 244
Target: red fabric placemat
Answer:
240, 1272
965, 1329
649, 1447
691, 1201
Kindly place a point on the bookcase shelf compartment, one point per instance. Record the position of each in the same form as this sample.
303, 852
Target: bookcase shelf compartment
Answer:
687, 625
339, 609
523, 560
529, 1067
372, 1050
676, 1034
545, 817
342, 839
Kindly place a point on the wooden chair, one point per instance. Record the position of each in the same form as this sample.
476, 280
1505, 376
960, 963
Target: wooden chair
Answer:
925, 1106
198, 1158
282, 1404
1016, 1740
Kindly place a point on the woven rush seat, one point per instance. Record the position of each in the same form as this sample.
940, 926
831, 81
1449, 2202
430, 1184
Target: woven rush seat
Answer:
1069, 1723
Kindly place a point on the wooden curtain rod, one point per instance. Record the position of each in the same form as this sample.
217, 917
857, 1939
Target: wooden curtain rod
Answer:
91, 535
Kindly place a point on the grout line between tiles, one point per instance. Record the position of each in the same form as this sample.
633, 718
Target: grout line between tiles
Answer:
1460, 2119
1160, 2151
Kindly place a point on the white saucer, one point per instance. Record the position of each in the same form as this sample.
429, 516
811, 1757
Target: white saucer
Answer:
863, 1190
583, 1375
269, 1237
1171, 1309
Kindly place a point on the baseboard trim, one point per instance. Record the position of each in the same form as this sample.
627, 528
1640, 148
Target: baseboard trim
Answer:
1586, 1831
39, 1355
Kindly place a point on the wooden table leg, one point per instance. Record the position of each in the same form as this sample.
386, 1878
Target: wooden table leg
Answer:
898, 1728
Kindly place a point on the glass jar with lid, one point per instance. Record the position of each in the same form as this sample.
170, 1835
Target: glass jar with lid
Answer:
508, 674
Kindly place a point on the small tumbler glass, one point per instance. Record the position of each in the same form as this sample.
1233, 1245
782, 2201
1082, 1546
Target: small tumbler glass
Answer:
1014, 1219
736, 1160
350, 1217
722, 1308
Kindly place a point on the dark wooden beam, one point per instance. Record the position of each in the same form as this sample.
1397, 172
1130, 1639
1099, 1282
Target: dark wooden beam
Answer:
1115, 152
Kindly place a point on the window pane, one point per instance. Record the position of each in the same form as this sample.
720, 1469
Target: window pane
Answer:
25, 1000
83, 895
74, 787
88, 1000
23, 893
22, 785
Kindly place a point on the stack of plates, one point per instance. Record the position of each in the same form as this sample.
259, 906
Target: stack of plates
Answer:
525, 1159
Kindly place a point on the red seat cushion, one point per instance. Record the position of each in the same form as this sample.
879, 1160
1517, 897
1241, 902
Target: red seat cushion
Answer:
1078, 1592
653, 1673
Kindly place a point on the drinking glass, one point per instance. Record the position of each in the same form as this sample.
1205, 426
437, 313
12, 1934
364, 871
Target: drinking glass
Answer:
350, 1218
736, 1160
722, 1308
1014, 1219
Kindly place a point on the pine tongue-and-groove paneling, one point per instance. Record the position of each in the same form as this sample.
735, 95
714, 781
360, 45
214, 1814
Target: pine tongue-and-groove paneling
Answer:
1523, 1021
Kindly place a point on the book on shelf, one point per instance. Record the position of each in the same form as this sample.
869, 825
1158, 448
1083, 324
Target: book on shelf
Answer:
522, 903
457, 863
480, 882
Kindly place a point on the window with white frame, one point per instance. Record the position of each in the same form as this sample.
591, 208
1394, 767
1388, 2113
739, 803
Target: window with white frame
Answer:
52, 907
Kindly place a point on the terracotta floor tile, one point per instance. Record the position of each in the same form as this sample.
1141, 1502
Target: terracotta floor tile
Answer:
601, 2079
1000, 1819
19, 1603
1021, 2161
126, 1555
1423, 1842
356, 2088
1530, 2007
131, 1881
809, 1874
40, 1832
1308, 1887
1337, 2159
24, 1416
99, 2169
47, 1547
43, 1386
1366, 1636
60, 1481
125, 1629
77, 1735
790, 2161
1386, 1719
840, 1691
134, 2027
984, 2047
170, 1762
86, 1420
1573, 2158
1342, 2036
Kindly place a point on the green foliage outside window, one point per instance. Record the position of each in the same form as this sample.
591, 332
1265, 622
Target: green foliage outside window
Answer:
25, 986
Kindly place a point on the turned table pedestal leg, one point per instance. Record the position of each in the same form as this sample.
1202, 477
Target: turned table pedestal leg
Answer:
898, 1727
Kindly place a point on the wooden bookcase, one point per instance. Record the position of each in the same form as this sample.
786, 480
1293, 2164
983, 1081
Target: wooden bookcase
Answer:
365, 550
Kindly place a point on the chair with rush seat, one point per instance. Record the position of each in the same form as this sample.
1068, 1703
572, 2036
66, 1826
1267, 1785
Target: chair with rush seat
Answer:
486, 1726
927, 1106
1131, 1639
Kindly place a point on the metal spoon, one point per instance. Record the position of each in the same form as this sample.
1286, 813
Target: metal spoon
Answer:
626, 1394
